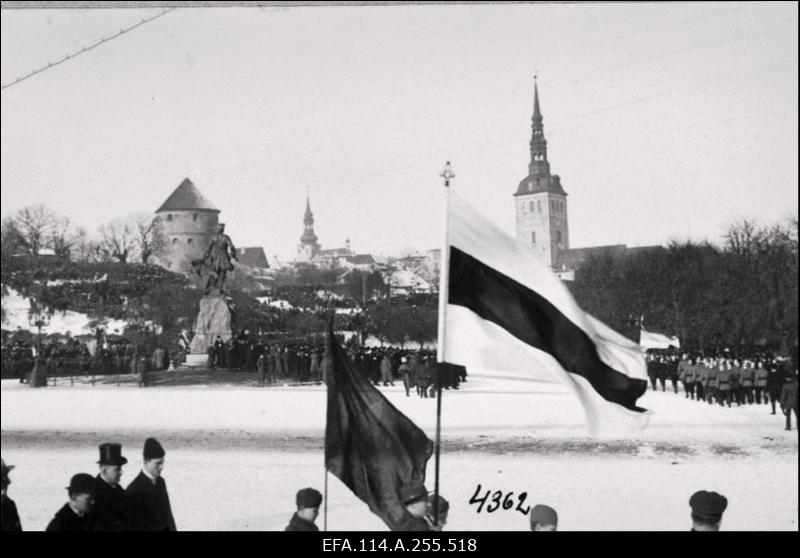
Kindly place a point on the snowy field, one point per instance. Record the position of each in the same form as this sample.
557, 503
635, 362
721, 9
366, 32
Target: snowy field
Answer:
236, 456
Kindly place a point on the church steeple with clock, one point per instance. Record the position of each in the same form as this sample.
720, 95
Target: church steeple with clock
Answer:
541, 202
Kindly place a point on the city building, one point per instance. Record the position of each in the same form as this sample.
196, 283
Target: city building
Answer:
541, 211
189, 221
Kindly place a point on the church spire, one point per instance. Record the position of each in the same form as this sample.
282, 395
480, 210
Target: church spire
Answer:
539, 165
308, 236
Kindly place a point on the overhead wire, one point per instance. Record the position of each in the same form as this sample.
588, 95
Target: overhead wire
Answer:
84, 50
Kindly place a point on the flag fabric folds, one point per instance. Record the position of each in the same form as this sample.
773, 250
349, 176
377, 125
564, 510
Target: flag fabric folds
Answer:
373, 448
508, 312
653, 340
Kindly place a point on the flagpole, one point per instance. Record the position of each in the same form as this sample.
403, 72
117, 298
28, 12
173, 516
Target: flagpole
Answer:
325, 514
444, 273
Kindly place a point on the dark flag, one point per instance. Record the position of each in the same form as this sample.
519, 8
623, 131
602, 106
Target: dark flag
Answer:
370, 446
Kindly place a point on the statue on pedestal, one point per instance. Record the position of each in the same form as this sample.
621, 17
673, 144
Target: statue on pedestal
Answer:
216, 262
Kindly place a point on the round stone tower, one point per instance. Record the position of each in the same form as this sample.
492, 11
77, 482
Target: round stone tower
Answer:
189, 220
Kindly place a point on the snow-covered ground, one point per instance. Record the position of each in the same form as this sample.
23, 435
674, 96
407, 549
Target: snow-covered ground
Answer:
17, 309
243, 452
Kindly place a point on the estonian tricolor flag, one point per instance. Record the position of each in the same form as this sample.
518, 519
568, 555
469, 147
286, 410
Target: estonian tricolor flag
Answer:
506, 311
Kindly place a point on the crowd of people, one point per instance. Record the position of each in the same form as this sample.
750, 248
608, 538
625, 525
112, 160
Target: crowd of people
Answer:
726, 379
75, 358
100, 503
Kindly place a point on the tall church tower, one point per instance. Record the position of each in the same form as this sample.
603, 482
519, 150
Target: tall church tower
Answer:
541, 203
308, 246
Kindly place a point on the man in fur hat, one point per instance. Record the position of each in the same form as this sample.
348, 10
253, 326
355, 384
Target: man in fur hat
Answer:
308, 502
147, 495
110, 507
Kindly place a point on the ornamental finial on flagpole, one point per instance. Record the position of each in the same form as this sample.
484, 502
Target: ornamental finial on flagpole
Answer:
447, 174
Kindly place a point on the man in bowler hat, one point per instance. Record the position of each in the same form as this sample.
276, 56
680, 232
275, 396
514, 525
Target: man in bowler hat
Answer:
76, 514
146, 495
308, 502
110, 508
707, 510
8, 515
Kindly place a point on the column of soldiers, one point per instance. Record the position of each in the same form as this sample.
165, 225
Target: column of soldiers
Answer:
727, 379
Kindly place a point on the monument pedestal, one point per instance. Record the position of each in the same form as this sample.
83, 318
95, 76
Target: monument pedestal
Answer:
213, 320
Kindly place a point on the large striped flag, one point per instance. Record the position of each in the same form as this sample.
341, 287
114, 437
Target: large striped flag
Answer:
506, 311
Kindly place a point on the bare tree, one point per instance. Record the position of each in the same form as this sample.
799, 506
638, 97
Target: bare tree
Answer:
743, 237
150, 240
10, 238
34, 224
118, 239
64, 236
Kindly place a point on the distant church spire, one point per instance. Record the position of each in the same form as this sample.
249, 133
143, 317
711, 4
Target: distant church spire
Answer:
539, 165
308, 236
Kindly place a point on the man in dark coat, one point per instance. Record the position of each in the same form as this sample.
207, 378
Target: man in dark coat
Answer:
308, 502
8, 513
775, 380
76, 514
147, 495
789, 399
110, 507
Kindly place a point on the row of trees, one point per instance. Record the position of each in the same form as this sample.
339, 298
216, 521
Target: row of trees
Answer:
135, 237
742, 294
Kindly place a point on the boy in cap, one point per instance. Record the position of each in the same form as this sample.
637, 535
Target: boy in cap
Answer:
707, 509
543, 518
76, 515
110, 508
308, 502
8, 514
146, 495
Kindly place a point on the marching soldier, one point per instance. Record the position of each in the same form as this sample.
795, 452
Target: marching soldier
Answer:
308, 502
684, 370
110, 508
147, 495
760, 382
700, 379
724, 384
76, 515
711, 381
747, 381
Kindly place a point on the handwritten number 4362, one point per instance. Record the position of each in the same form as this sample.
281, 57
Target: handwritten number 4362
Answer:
498, 500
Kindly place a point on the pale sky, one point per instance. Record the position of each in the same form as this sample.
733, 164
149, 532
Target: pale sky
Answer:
663, 120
